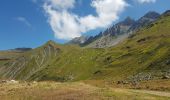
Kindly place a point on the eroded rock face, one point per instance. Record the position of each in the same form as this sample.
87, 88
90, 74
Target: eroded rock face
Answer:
79, 40
167, 13
117, 32
113, 35
145, 20
105, 38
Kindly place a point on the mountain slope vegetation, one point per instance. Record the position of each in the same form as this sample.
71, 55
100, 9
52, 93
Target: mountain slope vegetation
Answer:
144, 54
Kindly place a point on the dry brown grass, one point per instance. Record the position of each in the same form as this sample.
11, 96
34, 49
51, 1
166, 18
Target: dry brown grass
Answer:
68, 91
48, 91
159, 85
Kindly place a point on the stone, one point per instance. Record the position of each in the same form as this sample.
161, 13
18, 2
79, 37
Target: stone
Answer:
165, 77
168, 62
13, 82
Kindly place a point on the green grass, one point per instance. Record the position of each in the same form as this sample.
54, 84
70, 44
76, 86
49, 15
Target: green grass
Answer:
147, 51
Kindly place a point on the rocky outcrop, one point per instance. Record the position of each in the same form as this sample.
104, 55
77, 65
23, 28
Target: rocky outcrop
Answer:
167, 13
117, 32
145, 20
79, 40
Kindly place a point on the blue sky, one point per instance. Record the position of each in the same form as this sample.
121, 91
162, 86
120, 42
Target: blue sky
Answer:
30, 23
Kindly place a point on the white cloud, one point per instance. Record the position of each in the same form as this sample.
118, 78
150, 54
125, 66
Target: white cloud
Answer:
67, 25
61, 4
23, 20
146, 1
63, 23
107, 11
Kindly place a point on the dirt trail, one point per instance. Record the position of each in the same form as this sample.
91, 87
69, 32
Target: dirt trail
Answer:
158, 93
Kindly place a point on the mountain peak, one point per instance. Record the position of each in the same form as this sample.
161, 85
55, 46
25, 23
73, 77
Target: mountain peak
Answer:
50, 42
152, 15
128, 18
166, 13
79, 40
145, 20
128, 21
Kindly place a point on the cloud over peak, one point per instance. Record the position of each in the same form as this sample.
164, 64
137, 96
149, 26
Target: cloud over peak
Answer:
67, 25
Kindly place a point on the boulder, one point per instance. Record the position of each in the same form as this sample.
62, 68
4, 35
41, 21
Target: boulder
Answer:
13, 82
165, 77
168, 62
3, 81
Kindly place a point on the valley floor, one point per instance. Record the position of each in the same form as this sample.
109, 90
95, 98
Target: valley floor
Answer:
74, 91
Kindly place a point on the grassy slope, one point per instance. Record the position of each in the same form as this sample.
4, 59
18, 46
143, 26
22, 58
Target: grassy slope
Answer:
146, 51
73, 62
9, 55
120, 61
56, 65
151, 54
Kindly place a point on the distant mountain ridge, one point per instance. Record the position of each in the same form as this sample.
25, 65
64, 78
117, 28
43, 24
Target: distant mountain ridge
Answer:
145, 20
21, 49
117, 32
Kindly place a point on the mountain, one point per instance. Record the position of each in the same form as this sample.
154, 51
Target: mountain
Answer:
79, 40
119, 28
113, 35
20, 49
167, 13
119, 31
145, 20
144, 55
108, 37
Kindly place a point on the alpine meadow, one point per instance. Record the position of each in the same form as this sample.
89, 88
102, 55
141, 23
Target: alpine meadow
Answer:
101, 50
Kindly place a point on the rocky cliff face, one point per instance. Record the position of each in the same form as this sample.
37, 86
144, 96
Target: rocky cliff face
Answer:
145, 20
167, 13
119, 31
113, 35
106, 38
120, 28
79, 40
